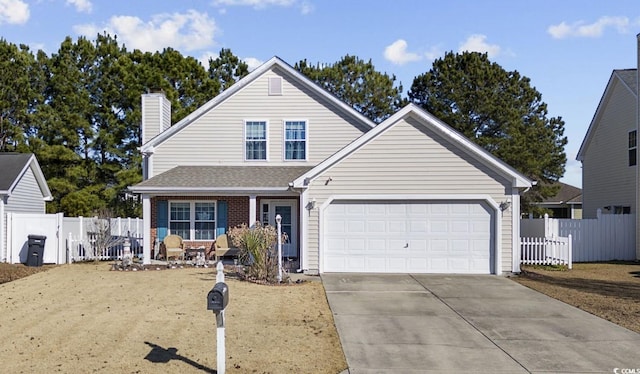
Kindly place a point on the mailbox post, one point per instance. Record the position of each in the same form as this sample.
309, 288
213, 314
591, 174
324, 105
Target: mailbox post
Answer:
217, 301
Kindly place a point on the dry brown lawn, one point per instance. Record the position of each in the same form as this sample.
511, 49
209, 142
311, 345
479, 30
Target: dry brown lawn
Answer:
607, 290
86, 318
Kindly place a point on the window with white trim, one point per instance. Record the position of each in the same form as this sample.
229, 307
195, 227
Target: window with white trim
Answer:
633, 148
295, 140
255, 136
193, 220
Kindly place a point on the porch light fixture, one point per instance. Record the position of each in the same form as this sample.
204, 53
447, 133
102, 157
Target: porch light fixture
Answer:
311, 205
505, 205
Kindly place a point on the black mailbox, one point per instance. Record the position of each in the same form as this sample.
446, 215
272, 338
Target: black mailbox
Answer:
218, 297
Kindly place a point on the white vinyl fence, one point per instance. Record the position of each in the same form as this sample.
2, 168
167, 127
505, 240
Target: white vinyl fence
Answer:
546, 251
608, 237
68, 239
83, 244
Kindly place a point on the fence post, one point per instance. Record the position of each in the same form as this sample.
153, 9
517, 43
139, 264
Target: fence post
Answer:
547, 229
81, 221
570, 249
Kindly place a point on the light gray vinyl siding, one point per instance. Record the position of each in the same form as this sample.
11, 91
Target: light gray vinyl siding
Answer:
217, 137
607, 178
27, 196
409, 159
150, 117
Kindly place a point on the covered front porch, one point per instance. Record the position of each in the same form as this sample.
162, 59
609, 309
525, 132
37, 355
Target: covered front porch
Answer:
201, 203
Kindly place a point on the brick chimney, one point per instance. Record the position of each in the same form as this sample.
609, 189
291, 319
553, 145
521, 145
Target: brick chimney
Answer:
156, 114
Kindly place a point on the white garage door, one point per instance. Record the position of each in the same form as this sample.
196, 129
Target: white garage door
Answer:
408, 237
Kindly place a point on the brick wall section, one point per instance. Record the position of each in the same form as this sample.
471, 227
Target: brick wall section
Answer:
238, 213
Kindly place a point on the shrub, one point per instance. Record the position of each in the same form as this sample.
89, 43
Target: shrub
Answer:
257, 250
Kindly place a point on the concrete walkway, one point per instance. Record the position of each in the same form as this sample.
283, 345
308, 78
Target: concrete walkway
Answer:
469, 324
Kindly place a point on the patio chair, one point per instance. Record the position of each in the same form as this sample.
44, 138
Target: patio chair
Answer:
174, 247
221, 246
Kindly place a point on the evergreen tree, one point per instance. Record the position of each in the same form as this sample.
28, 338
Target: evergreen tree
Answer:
500, 111
358, 84
18, 94
227, 69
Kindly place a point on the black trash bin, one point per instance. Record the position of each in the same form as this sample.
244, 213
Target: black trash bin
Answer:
36, 250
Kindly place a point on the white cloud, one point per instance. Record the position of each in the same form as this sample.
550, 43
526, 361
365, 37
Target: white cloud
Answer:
83, 6
305, 6
182, 31
252, 62
593, 30
397, 53
14, 12
433, 53
477, 43
258, 4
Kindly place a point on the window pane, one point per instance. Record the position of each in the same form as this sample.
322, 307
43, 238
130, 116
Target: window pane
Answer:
633, 139
256, 150
295, 150
205, 211
633, 156
205, 230
256, 131
295, 131
180, 228
180, 212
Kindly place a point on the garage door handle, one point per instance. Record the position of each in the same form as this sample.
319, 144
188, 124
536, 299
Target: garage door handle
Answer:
406, 245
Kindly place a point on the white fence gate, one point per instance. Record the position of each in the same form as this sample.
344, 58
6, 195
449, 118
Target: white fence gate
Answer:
608, 237
546, 251
21, 225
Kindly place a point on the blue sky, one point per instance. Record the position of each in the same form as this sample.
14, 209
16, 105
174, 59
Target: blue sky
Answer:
567, 47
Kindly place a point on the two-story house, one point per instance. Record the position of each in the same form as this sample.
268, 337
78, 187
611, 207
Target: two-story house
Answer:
407, 195
609, 156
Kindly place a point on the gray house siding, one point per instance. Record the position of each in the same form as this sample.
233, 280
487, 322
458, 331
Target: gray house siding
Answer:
27, 196
409, 159
217, 137
607, 177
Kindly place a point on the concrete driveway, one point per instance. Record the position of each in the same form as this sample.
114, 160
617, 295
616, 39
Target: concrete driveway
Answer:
399, 323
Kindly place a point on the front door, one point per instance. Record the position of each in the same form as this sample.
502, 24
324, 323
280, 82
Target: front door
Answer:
289, 225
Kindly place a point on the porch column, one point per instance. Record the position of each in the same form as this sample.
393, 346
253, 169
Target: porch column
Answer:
252, 210
146, 233
3, 248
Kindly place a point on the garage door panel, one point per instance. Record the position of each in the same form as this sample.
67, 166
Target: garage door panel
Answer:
438, 226
420, 237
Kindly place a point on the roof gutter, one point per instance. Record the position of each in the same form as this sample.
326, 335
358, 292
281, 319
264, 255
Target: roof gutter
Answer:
165, 190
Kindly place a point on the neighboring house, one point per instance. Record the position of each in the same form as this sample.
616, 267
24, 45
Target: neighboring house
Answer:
567, 203
408, 195
609, 153
23, 189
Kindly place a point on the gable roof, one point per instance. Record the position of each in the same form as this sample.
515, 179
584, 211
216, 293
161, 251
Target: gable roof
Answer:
12, 168
226, 179
518, 180
626, 77
567, 194
256, 73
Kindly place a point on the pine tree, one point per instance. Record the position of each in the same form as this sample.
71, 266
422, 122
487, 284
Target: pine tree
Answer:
500, 111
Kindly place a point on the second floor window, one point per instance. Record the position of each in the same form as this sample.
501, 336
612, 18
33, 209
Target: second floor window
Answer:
633, 146
295, 140
255, 140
